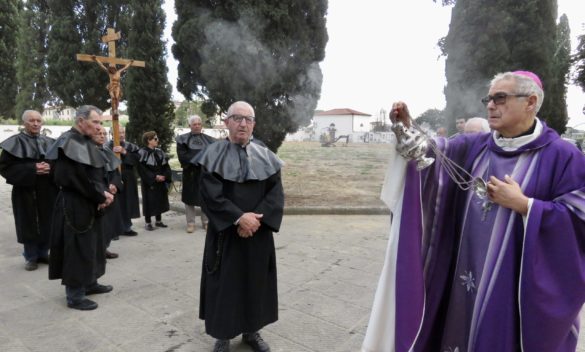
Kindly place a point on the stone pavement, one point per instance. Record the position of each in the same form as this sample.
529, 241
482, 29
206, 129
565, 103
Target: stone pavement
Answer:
328, 267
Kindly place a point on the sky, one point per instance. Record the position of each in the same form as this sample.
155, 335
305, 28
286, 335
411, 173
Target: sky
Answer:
382, 51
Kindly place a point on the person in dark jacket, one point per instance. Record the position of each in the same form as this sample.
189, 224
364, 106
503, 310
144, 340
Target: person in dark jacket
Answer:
23, 165
155, 175
77, 239
188, 146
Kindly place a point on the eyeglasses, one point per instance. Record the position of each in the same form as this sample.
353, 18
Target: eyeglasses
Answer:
154, 139
500, 98
239, 118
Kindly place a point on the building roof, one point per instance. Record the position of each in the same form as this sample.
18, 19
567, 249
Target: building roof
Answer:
344, 111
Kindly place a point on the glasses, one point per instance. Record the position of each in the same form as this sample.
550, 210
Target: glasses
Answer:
239, 118
154, 139
500, 98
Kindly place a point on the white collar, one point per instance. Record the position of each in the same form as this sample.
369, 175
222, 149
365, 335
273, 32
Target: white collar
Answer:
511, 144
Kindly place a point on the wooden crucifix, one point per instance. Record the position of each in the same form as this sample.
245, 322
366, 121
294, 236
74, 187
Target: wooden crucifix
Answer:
115, 85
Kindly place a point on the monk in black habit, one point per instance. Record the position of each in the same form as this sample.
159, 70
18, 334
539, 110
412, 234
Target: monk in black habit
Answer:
77, 239
155, 177
188, 146
244, 200
112, 219
128, 197
23, 165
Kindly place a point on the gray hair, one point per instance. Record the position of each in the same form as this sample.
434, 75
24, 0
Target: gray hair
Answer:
84, 111
480, 122
239, 104
27, 113
192, 119
524, 85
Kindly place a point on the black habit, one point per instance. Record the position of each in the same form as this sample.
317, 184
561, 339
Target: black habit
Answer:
188, 146
33, 196
129, 196
77, 242
113, 221
155, 196
238, 280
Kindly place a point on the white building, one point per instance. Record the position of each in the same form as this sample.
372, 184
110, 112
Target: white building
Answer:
346, 121
59, 113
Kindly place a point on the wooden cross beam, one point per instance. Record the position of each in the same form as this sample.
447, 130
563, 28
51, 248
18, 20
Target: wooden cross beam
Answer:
115, 86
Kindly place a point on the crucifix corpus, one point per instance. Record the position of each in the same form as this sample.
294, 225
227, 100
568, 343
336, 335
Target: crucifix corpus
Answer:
115, 73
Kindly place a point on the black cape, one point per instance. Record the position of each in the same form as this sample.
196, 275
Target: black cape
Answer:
238, 279
33, 196
77, 242
155, 197
129, 204
113, 222
188, 146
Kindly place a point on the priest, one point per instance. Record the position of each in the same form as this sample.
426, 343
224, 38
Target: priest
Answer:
243, 198
23, 165
504, 271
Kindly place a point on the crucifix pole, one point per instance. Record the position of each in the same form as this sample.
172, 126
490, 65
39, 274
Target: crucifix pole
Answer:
115, 74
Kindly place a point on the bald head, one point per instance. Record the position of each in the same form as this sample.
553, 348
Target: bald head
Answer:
477, 125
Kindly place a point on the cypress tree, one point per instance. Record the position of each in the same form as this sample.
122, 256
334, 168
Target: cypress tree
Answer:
266, 53
489, 37
9, 18
148, 91
579, 61
557, 87
31, 71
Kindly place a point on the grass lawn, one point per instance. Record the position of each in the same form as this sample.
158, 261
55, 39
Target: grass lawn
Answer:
337, 176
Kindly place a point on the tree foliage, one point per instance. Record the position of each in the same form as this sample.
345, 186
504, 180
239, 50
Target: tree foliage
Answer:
579, 60
556, 90
189, 108
148, 91
489, 37
77, 27
433, 117
266, 53
31, 65
9, 18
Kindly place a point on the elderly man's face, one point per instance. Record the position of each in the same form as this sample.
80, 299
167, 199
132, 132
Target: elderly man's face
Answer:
92, 125
33, 123
240, 131
196, 126
100, 137
514, 115
122, 135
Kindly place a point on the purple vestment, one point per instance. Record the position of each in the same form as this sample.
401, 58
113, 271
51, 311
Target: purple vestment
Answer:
468, 275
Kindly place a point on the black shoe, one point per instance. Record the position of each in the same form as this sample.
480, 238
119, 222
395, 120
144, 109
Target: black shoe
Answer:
149, 227
255, 341
30, 266
115, 238
221, 346
98, 289
111, 255
160, 224
85, 304
130, 233
44, 260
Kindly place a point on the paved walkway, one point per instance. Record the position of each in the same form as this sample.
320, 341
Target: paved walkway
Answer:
328, 267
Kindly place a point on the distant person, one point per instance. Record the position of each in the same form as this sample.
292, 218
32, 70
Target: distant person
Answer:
243, 197
494, 268
188, 146
441, 132
112, 219
460, 125
77, 239
23, 165
477, 125
155, 176
129, 203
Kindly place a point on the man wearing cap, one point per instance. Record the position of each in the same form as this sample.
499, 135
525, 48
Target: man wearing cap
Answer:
503, 271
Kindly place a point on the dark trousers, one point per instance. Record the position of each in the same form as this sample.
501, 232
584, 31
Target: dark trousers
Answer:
34, 251
157, 217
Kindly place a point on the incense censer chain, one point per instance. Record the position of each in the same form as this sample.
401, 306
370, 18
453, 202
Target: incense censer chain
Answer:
413, 143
